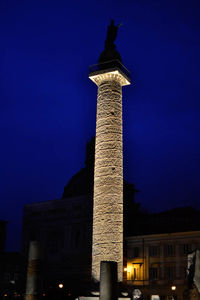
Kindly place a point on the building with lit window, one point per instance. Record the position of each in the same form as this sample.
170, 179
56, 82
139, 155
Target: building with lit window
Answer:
155, 257
157, 263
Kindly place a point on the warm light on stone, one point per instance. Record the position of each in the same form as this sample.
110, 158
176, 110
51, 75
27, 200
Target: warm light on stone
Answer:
114, 74
33, 282
108, 176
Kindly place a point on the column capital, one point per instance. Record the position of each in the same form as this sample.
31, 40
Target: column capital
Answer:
110, 71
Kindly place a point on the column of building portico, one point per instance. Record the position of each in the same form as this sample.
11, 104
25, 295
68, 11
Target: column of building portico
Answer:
162, 270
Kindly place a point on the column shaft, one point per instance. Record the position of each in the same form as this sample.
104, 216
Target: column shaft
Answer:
33, 283
108, 178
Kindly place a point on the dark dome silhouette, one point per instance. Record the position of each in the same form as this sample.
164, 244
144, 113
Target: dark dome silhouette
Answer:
82, 182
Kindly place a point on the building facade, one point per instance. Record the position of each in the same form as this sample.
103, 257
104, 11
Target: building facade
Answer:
63, 228
156, 264
153, 263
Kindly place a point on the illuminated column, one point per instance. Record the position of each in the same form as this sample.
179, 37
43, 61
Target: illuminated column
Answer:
107, 242
33, 281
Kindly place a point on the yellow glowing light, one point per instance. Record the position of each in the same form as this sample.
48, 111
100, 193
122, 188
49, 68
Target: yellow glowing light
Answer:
129, 269
60, 285
116, 74
173, 287
5, 295
125, 269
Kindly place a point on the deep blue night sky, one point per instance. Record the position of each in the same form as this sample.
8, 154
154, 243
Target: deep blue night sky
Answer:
48, 104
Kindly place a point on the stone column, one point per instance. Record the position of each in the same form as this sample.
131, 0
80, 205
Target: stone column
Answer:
107, 242
33, 282
108, 280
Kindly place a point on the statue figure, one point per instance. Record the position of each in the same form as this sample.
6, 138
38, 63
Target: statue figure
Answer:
110, 53
111, 35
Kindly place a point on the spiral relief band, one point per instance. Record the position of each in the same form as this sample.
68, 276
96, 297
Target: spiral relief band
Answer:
107, 242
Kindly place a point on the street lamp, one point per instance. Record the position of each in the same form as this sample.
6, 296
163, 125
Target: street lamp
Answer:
60, 285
